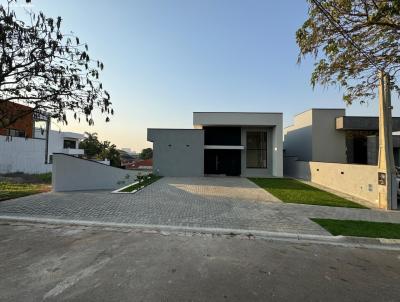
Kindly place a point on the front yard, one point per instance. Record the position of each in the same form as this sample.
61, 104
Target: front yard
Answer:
16, 185
294, 191
14, 190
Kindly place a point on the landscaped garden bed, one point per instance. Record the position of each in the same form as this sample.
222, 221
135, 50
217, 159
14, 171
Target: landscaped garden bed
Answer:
141, 182
294, 191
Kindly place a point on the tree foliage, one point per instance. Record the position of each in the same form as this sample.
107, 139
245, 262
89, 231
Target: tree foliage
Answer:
146, 153
95, 149
46, 69
373, 27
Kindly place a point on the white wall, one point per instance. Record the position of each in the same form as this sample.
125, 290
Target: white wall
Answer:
356, 180
73, 174
18, 154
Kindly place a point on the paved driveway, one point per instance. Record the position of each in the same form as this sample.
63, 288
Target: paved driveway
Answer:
206, 202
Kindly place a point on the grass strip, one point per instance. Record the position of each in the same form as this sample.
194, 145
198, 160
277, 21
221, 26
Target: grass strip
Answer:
143, 182
360, 228
293, 191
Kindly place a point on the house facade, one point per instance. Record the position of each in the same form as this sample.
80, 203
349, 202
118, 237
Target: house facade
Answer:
221, 143
24, 146
328, 135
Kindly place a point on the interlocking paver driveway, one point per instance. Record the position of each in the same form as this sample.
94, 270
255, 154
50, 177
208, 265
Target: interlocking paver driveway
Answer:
210, 202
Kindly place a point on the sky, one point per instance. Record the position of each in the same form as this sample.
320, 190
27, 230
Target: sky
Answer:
165, 59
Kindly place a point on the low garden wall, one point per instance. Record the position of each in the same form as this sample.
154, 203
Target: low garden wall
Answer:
356, 180
74, 174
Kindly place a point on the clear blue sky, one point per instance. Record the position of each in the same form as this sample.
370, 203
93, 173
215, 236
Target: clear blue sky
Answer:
165, 59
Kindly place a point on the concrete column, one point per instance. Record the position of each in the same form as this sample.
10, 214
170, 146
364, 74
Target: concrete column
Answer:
387, 188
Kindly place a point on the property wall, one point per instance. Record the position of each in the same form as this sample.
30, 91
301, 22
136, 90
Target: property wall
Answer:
18, 154
356, 180
177, 152
73, 174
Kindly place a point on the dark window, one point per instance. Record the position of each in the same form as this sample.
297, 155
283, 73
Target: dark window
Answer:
256, 151
15, 133
225, 136
69, 144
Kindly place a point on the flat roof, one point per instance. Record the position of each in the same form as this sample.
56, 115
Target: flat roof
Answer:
366, 123
252, 112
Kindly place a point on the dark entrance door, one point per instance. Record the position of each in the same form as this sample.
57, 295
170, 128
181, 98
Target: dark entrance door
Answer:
226, 162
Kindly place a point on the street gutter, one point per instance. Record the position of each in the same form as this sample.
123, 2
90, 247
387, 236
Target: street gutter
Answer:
344, 241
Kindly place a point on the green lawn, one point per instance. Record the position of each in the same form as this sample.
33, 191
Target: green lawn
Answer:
360, 228
145, 181
14, 190
294, 191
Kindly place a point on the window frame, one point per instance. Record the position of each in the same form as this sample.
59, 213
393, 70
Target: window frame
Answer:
264, 132
69, 140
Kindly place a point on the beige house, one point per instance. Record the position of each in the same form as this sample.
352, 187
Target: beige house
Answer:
337, 151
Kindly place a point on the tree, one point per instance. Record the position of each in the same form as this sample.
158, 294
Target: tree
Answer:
351, 40
47, 70
95, 149
146, 153
110, 152
91, 145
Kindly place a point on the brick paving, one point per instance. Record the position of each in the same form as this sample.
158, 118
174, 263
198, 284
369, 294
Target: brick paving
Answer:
209, 202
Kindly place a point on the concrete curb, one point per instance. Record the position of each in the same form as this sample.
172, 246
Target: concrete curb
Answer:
345, 241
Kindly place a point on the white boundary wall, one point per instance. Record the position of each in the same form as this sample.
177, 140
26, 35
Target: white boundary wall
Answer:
360, 181
74, 174
18, 154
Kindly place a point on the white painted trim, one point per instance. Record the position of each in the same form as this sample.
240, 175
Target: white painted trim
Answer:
118, 191
223, 147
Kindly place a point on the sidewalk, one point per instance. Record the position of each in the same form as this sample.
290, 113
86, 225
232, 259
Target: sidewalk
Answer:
186, 203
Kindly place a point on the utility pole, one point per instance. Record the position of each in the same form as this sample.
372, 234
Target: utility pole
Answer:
46, 152
387, 185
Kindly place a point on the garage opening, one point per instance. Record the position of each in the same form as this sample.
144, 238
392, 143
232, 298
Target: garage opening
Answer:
222, 162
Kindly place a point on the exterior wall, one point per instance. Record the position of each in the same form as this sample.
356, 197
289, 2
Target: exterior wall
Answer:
25, 123
177, 152
73, 174
27, 155
56, 142
328, 144
18, 154
236, 118
251, 120
356, 180
298, 137
313, 136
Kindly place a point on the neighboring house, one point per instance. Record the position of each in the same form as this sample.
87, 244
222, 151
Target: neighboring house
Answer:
143, 164
65, 142
328, 135
24, 126
222, 143
23, 144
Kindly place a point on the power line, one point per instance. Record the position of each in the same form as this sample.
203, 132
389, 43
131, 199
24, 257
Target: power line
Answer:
343, 32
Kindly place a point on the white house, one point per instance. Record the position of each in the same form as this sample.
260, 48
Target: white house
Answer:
28, 155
